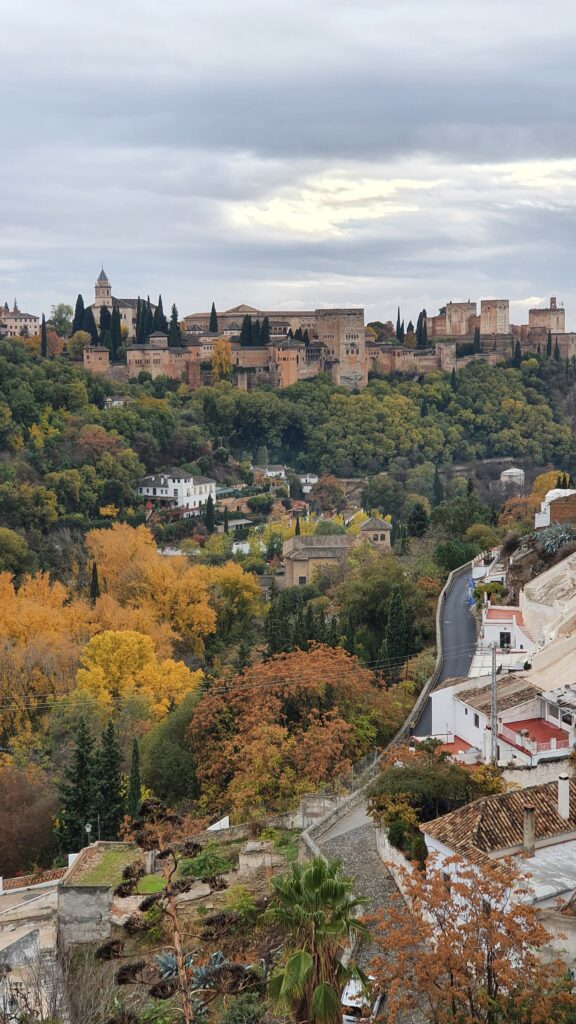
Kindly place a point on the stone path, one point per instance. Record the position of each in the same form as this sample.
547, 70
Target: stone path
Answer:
355, 846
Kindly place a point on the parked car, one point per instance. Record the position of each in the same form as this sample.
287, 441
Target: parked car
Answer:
358, 1005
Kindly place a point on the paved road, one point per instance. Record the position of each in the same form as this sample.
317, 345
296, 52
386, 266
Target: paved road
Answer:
458, 643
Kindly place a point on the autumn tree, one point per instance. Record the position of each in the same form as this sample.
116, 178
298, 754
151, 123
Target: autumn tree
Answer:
221, 360
117, 665
329, 494
28, 803
469, 950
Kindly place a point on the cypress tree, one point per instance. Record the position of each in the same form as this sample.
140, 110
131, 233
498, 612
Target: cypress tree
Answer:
43, 338
77, 793
418, 520
410, 328
78, 321
94, 584
517, 355
274, 630
213, 328
320, 631
226, 528
255, 340
147, 320
396, 635
549, 344
454, 380
476, 342
556, 351
297, 527
105, 322
310, 623
265, 332
398, 326
134, 793
333, 633
209, 518
402, 333
299, 636
437, 488
159, 322
89, 325
174, 333
106, 340
425, 332
109, 798
246, 331
419, 325
115, 333
305, 336
139, 321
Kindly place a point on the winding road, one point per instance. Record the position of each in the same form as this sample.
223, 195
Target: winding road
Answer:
458, 641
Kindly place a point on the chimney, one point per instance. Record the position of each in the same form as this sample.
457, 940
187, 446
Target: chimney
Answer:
564, 797
529, 840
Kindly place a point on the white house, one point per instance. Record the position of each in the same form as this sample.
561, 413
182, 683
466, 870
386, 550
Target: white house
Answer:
178, 490
512, 479
543, 517
307, 481
533, 725
504, 626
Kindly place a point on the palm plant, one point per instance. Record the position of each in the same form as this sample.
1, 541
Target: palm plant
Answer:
316, 909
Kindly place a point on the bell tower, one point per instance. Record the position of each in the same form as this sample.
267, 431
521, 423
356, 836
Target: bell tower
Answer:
103, 291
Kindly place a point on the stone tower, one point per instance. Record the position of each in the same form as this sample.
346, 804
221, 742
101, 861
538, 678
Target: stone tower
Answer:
103, 291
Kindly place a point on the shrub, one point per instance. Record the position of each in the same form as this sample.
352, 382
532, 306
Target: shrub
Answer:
244, 1009
211, 861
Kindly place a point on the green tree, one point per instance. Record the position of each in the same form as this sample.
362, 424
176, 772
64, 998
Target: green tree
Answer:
168, 759
209, 516
89, 325
226, 527
105, 323
557, 351
396, 636
77, 793
265, 332
115, 333
476, 346
438, 489
315, 907
398, 326
159, 322
134, 794
213, 327
454, 379
297, 526
94, 584
418, 520
549, 344
78, 321
246, 331
15, 555
43, 338
61, 319
174, 333
517, 358
108, 789
256, 331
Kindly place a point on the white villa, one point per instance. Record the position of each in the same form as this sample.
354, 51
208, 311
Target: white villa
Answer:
178, 490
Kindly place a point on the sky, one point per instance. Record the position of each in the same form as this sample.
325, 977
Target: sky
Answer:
289, 155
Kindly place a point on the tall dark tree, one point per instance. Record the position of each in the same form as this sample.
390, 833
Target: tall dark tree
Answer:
209, 517
94, 584
396, 635
398, 326
147, 320
43, 338
89, 325
549, 344
159, 322
78, 321
437, 488
297, 527
454, 379
105, 322
115, 333
109, 798
265, 332
419, 327
556, 351
226, 527
256, 332
305, 336
139, 320
134, 794
418, 520
425, 332
246, 331
174, 333
476, 343
213, 327
402, 332
410, 328
517, 359
77, 793
106, 341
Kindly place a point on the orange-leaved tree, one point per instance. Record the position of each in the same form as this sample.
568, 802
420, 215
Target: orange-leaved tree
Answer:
469, 950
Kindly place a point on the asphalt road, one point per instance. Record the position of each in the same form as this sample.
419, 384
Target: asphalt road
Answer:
458, 641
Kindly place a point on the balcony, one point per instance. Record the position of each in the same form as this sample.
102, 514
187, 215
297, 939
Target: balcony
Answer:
534, 736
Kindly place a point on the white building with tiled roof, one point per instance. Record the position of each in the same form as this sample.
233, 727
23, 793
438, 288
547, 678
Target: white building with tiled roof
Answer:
178, 490
16, 324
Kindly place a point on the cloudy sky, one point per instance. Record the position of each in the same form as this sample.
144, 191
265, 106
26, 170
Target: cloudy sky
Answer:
316, 152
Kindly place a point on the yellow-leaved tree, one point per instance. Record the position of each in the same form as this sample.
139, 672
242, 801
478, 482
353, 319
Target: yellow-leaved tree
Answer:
120, 664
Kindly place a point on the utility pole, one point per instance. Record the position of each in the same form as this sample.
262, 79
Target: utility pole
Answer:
494, 711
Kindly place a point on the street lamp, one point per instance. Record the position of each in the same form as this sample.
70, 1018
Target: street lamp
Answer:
88, 830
